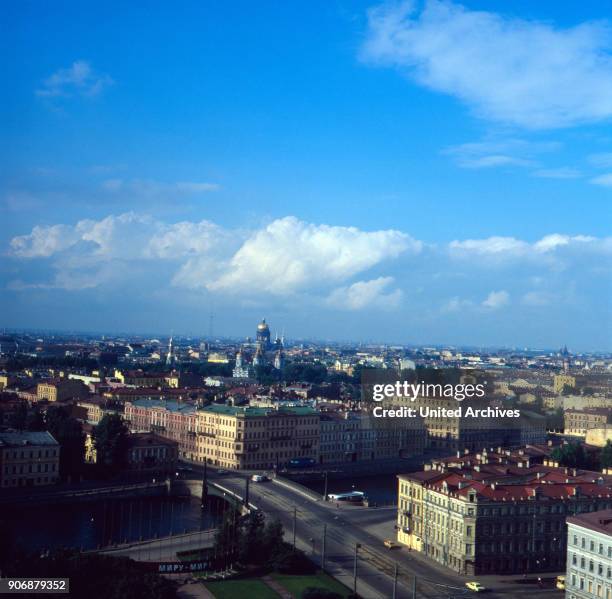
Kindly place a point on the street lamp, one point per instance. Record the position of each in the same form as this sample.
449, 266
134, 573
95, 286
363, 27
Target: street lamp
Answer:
312, 540
357, 546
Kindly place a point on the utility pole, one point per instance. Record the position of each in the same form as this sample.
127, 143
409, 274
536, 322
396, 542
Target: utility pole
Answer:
294, 525
205, 486
325, 489
414, 587
246, 493
395, 582
323, 547
357, 545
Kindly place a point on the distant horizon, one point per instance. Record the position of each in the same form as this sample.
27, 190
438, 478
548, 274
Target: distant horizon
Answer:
295, 340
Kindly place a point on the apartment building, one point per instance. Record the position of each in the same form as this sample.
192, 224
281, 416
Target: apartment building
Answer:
589, 556
60, 390
173, 420
256, 438
579, 422
491, 514
28, 459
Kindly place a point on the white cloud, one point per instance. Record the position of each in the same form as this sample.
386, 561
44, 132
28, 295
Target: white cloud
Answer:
365, 294
525, 73
79, 78
285, 257
43, 241
489, 246
510, 247
289, 255
496, 299
150, 188
603, 180
456, 304
493, 153
558, 173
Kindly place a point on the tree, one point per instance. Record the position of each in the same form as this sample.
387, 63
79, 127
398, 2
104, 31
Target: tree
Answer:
19, 417
110, 442
606, 455
571, 455
35, 421
68, 433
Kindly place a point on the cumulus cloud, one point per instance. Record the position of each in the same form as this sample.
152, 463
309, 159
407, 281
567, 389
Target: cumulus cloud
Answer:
43, 241
365, 294
289, 255
496, 299
525, 73
79, 78
282, 258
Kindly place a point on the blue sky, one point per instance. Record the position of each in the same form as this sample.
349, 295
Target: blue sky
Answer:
426, 172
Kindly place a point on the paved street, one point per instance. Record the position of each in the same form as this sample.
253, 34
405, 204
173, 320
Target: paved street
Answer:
349, 525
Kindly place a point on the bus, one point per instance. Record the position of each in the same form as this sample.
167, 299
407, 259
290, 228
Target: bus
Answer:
352, 497
302, 463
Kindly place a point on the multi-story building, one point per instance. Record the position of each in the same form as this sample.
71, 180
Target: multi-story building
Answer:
151, 453
92, 410
489, 513
579, 422
28, 459
171, 419
589, 556
340, 437
561, 381
256, 438
139, 378
458, 432
60, 390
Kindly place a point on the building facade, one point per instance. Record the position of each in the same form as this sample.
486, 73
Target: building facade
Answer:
579, 422
28, 459
256, 438
589, 556
493, 515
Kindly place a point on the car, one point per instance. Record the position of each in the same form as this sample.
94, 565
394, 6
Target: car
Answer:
222, 472
259, 478
560, 583
475, 586
389, 544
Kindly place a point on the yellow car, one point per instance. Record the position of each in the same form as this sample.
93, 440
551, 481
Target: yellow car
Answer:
560, 583
389, 544
475, 586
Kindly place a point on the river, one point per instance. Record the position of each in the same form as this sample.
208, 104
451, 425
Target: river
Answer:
89, 525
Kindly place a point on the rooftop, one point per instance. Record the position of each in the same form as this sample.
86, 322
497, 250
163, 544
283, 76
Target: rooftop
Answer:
248, 411
21, 438
597, 521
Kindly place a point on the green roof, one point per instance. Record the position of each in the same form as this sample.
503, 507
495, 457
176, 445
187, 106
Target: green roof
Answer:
251, 411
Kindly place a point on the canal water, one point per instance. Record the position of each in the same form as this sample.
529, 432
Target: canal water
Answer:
90, 525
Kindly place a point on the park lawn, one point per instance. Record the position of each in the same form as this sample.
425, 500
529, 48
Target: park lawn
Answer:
239, 589
296, 584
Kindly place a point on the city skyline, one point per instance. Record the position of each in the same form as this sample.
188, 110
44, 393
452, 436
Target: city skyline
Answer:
333, 169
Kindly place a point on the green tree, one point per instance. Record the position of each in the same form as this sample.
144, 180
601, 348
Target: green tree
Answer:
571, 455
606, 455
68, 433
110, 442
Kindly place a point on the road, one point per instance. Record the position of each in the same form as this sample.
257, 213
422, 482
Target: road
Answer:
350, 525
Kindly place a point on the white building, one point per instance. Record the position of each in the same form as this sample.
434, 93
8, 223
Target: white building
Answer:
589, 556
